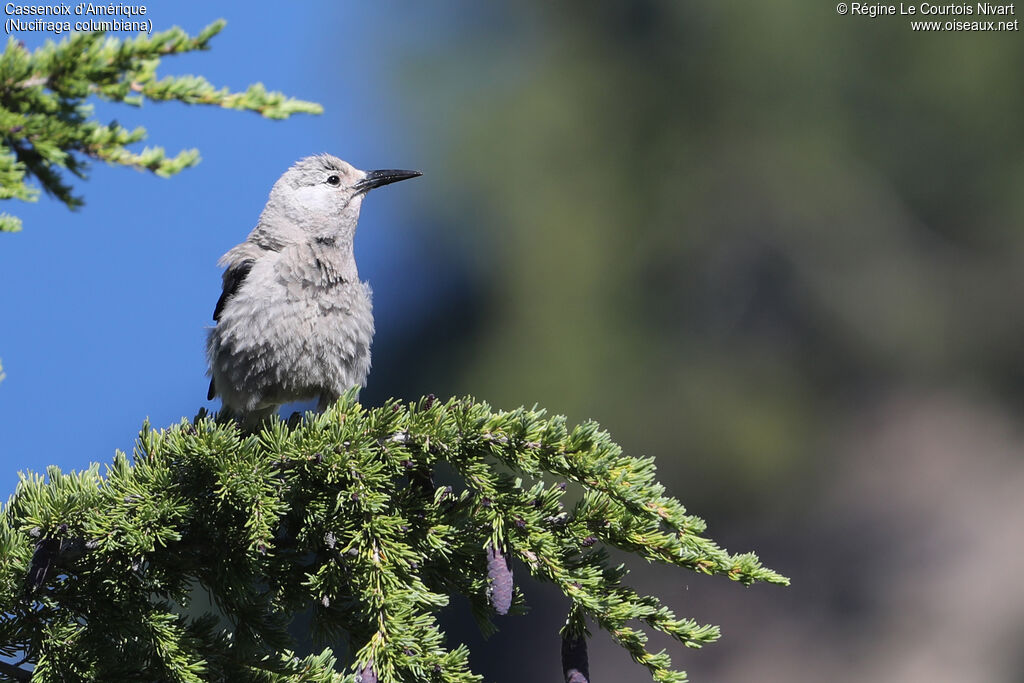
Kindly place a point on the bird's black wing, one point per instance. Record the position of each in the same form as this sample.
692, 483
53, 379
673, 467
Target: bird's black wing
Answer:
233, 279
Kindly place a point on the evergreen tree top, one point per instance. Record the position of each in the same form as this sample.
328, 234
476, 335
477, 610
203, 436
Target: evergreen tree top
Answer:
344, 513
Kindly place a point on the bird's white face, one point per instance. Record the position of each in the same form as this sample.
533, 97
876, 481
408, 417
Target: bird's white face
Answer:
325, 197
318, 195
325, 185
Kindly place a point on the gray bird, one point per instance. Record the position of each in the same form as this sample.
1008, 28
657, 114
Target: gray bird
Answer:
294, 322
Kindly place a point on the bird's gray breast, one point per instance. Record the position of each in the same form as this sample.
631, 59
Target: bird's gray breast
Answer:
331, 312
297, 329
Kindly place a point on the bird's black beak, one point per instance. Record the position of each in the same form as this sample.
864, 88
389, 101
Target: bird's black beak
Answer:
385, 177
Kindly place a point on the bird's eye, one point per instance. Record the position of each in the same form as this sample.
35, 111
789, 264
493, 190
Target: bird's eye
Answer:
334, 180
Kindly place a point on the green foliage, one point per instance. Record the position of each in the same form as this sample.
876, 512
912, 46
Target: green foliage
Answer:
46, 126
340, 515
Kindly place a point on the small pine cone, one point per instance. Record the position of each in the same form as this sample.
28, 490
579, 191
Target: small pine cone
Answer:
367, 675
574, 660
499, 577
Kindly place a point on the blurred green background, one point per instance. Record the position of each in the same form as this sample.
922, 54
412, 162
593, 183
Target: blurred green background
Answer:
780, 250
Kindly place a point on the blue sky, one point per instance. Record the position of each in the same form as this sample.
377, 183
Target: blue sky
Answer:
104, 308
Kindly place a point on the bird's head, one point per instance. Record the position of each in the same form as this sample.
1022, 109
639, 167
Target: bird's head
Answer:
322, 194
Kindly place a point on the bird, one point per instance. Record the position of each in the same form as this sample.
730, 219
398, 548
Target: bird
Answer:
294, 322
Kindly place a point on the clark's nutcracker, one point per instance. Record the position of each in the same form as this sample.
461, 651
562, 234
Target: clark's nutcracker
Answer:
294, 322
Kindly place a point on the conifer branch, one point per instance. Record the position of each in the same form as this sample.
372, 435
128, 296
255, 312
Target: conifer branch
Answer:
339, 513
46, 125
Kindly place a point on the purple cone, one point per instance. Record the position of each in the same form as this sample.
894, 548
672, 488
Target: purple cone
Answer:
499, 577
